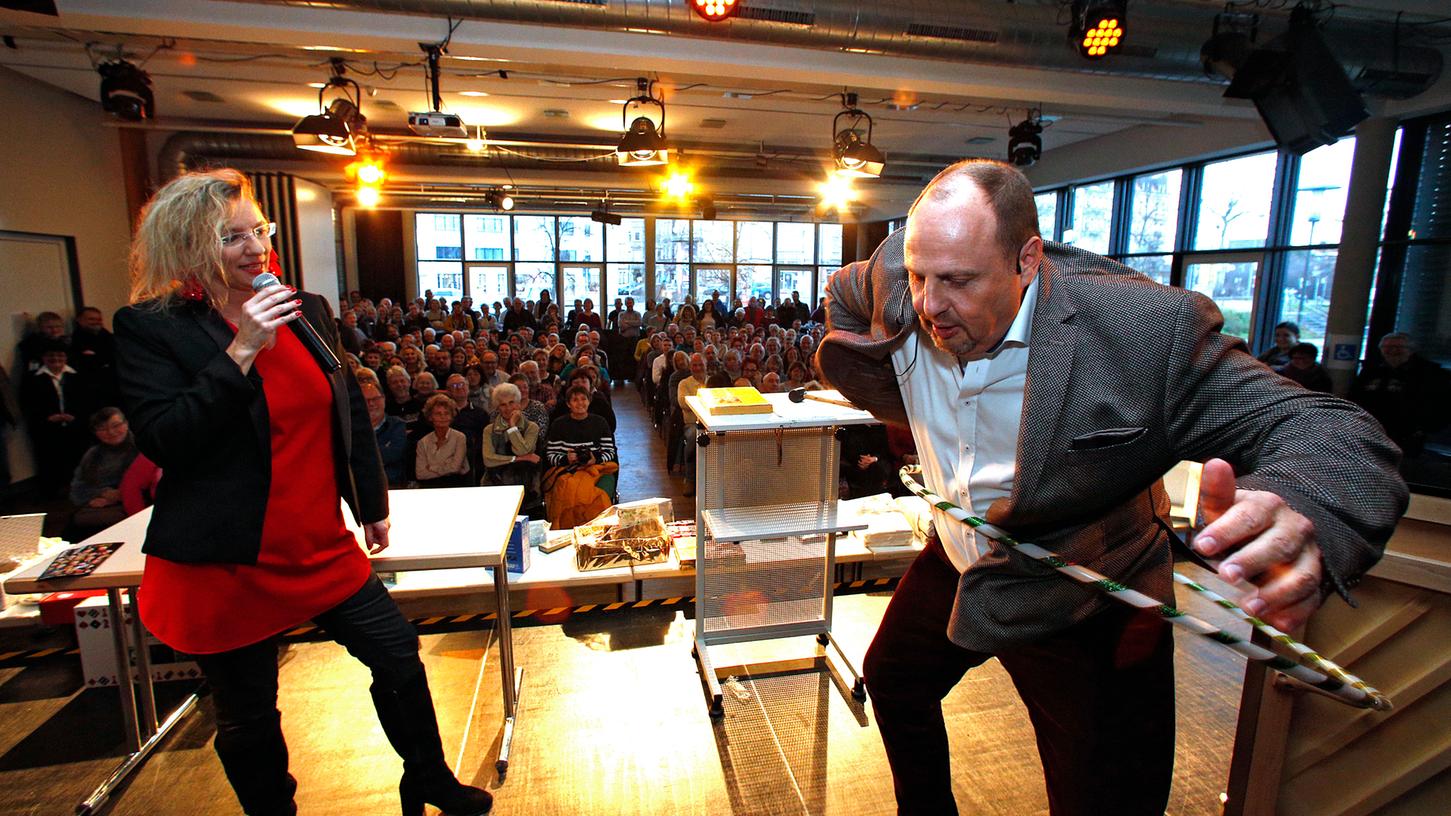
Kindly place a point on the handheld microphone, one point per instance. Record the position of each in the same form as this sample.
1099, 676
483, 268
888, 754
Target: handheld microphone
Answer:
318, 347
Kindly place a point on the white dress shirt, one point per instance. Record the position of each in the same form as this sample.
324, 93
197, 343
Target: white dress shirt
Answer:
965, 419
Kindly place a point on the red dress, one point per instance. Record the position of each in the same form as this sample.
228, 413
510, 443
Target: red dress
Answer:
308, 563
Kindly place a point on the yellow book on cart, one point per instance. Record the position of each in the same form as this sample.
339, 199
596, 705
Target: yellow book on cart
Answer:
735, 400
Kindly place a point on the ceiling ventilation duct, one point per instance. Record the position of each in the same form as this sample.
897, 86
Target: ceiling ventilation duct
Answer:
1167, 39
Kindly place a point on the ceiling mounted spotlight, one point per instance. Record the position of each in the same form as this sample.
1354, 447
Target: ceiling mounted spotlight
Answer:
126, 91
338, 126
501, 200
643, 143
715, 10
1229, 46
1097, 26
1025, 142
855, 157
602, 214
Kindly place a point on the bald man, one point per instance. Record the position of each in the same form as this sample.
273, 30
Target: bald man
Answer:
1048, 389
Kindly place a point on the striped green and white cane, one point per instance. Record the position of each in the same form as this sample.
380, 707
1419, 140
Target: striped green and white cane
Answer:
1321, 673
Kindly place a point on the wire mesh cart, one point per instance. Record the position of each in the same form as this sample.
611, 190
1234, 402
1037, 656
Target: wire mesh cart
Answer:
766, 526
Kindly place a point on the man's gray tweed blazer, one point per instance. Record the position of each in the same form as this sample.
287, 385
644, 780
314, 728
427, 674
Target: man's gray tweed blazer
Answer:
1125, 378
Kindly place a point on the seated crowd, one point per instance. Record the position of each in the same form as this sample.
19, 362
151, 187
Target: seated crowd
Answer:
518, 394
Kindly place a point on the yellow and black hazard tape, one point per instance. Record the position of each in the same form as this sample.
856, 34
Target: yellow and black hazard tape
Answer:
442, 624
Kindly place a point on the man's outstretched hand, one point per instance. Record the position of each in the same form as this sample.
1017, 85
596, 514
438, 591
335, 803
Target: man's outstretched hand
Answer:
1263, 542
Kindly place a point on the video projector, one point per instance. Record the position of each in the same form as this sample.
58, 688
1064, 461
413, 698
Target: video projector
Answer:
438, 125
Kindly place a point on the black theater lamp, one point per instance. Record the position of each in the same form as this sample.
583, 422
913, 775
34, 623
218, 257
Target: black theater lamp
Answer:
643, 145
855, 156
1025, 141
126, 91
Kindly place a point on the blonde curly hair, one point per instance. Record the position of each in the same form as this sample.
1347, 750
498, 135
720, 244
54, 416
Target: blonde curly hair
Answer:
179, 235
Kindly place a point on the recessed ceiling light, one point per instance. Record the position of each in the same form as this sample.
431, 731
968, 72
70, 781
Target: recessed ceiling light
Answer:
712, 124
617, 101
980, 140
472, 93
318, 85
482, 59
333, 48
202, 96
556, 113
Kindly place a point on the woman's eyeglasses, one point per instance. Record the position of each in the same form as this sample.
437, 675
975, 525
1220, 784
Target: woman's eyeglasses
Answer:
262, 232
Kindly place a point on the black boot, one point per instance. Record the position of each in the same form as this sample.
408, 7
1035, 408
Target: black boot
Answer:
254, 755
409, 721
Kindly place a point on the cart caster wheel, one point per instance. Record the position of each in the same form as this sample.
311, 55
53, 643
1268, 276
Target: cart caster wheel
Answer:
502, 766
859, 691
822, 638
717, 711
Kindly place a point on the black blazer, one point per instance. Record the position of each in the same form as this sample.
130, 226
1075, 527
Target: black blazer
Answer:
196, 415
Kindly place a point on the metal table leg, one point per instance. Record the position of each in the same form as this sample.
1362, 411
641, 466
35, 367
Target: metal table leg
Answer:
512, 679
146, 688
124, 682
138, 750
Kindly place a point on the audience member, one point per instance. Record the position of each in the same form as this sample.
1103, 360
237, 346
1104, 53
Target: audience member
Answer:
391, 433
93, 355
95, 486
442, 454
1287, 335
580, 454
510, 446
1305, 369
1405, 391
49, 333
52, 398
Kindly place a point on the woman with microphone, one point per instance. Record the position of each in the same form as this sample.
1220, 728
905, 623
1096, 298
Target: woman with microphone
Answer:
257, 440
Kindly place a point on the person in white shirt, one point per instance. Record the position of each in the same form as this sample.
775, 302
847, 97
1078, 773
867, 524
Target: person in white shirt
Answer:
442, 457
1048, 389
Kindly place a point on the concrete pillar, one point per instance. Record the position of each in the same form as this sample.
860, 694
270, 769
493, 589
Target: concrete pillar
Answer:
1359, 236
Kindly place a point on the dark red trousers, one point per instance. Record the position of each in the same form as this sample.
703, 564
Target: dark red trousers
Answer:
1100, 696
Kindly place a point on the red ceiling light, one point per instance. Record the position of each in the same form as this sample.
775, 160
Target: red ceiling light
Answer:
715, 10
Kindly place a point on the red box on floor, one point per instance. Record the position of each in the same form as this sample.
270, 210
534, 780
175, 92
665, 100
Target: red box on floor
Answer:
58, 608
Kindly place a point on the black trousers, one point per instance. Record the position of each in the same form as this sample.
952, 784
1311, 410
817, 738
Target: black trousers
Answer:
244, 691
1100, 696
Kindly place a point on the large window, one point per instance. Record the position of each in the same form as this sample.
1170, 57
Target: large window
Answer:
492, 256
1234, 203
795, 243
1154, 212
534, 238
1047, 204
487, 237
1092, 217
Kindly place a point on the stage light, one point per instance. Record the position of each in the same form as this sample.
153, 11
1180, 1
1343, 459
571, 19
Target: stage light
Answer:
337, 127
643, 143
836, 192
1025, 142
855, 157
715, 10
476, 144
602, 215
501, 200
1098, 26
368, 171
126, 91
677, 186
368, 196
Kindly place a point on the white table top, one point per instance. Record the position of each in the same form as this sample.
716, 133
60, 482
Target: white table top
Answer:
431, 529
784, 414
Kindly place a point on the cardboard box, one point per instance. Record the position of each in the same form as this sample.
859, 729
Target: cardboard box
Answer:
516, 557
98, 652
